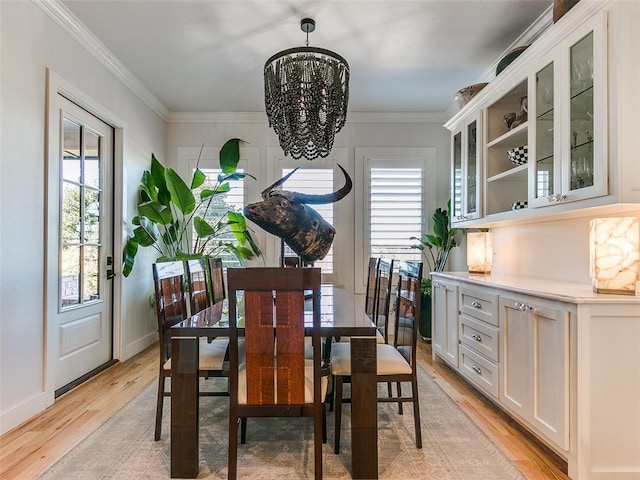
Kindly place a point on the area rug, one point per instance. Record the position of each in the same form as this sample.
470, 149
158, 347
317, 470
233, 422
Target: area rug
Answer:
453, 447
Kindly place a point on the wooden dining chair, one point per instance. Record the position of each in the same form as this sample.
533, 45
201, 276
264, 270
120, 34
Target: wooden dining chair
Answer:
383, 297
216, 280
372, 279
275, 380
199, 298
171, 308
396, 363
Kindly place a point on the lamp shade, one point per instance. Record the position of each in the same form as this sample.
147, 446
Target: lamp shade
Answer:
614, 250
479, 252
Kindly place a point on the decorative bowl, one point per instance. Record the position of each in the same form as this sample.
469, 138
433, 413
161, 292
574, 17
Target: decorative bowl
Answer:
465, 94
518, 155
509, 57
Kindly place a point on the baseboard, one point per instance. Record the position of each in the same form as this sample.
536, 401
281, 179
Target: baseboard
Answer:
139, 345
20, 413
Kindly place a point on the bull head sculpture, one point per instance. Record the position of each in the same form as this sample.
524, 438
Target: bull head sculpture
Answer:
288, 216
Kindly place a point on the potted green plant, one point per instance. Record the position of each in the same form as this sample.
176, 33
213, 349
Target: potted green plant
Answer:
435, 248
169, 210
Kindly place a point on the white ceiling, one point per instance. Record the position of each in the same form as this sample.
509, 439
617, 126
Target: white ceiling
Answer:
405, 56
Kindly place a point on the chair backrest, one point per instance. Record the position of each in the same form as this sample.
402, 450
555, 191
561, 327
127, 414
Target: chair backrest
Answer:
408, 309
274, 331
383, 294
372, 277
171, 304
216, 280
197, 280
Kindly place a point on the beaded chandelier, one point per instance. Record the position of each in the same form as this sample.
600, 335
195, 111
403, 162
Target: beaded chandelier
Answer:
306, 92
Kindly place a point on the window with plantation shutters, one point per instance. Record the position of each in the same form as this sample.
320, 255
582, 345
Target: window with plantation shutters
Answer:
395, 198
314, 181
395, 211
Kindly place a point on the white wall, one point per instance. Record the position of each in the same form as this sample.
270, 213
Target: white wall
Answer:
361, 130
557, 250
31, 42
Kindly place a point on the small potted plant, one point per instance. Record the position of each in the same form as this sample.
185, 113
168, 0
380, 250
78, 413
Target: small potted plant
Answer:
435, 248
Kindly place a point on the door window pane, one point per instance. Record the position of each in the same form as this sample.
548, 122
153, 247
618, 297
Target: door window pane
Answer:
71, 151
70, 275
71, 223
80, 216
91, 172
91, 216
91, 267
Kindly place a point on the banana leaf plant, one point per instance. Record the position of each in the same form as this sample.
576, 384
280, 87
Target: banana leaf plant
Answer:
436, 246
170, 212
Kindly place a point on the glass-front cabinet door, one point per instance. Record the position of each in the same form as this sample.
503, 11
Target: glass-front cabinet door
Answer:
586, 169
465, 173
545, 172
569, 134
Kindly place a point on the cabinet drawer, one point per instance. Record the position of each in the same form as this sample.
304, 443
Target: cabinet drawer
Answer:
481, 372
480, 305
479, 336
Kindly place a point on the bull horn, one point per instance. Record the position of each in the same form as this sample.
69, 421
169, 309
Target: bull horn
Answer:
296, 197
265, 193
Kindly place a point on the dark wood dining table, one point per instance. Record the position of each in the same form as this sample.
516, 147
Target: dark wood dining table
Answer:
341, 315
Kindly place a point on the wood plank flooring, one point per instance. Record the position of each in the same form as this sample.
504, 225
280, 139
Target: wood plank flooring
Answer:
30, 449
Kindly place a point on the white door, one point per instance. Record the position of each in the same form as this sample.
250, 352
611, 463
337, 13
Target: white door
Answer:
79, 270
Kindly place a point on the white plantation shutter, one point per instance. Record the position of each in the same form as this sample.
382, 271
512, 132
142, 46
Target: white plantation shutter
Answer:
314, 181
396, 200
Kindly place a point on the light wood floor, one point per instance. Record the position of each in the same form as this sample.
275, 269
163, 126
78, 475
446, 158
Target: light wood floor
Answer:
30, 449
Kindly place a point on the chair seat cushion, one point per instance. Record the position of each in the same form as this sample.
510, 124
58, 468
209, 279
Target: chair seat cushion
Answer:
211, 354
389, 360
308, 383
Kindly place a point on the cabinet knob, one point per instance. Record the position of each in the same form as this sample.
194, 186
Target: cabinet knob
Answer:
476, 337
476, 304
476, 369
523, 307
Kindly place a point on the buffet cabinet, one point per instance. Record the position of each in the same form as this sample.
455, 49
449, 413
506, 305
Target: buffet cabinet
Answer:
549, 134
558, 358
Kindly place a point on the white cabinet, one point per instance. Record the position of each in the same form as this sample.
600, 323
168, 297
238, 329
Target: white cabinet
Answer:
445, 321
560, 359
534, 380
465, 170
580, 127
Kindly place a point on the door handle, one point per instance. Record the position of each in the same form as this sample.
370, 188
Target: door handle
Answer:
110, 272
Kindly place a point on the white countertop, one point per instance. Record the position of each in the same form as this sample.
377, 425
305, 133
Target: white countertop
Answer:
541, 287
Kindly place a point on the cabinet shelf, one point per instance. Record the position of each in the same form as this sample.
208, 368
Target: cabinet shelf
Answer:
515, 137
512, 174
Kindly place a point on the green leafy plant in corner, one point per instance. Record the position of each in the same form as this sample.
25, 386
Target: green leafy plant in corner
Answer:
436, 246
169, 210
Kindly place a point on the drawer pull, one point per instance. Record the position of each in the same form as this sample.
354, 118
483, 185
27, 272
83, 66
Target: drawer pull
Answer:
476, 304
523, 307
476, 369
476, 337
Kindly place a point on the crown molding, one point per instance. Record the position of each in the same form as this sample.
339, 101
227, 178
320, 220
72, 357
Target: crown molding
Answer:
62, 16
352, 117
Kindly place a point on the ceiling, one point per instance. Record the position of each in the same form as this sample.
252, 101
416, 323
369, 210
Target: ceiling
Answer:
404, 56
